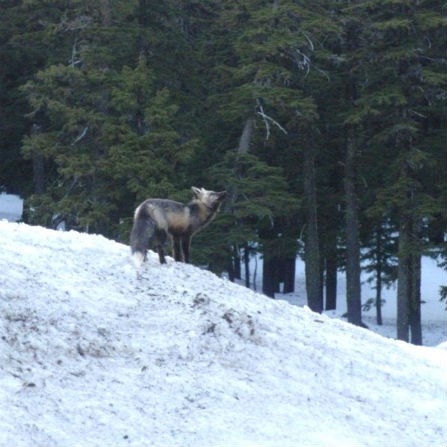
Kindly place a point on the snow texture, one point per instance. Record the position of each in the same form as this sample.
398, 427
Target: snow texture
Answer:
433, 311
91, 355
11, 207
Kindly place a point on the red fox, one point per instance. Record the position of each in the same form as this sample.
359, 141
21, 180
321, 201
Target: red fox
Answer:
155, 219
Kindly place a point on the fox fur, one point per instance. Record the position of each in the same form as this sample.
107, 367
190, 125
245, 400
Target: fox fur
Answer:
157, 219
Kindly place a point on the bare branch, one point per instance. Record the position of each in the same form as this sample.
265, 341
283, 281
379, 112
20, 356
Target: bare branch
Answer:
81, 136
70, 188
302, 61
311, 45
268, 119
74, 60
266, 123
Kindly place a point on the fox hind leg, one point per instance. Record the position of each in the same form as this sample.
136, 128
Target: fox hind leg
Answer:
161, 237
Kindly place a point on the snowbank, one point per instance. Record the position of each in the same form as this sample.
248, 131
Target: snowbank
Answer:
11, 207
91, 356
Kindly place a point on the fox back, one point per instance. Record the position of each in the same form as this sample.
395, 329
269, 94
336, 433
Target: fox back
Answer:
159, 218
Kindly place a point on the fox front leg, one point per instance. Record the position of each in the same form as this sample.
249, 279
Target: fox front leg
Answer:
176, 248
186, 246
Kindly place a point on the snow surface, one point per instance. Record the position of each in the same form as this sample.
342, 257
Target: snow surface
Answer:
433, 311
92, 356
11, 207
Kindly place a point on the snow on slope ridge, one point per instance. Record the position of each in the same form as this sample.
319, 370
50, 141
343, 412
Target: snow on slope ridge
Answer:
90, 356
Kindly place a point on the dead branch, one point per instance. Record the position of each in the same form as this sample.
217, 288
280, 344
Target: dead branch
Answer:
81, 136
268, 119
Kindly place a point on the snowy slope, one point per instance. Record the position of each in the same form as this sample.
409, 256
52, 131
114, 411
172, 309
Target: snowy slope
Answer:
433, 311
92, 356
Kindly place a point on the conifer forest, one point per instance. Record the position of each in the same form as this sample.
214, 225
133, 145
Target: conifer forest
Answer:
325, 122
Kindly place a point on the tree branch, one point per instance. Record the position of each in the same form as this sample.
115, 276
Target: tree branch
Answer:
266, 119
81, 136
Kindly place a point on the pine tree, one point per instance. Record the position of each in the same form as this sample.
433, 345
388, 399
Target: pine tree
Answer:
261, 87
380, 251
400, 98
102, 123
26, 45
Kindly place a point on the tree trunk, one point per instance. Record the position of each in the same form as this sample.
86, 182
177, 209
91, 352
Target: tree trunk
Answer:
353, 289
38, 167
143, 21
230, 268
269, 277
232, 192
409, 277
331, 280
38, 173
379, 295
403, 282
409, 287
255, 274
234, 265
322, 275
289, 274
311, 249
243, 148
237, 262
247, 132
247, 265
379, 265
414, 317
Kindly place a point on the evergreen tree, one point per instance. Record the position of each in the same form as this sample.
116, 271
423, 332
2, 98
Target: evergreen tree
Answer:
101, 123
265, 97
26, 45
400, 97
380, 252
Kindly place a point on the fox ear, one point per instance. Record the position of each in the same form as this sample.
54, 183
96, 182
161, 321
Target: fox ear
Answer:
196, 191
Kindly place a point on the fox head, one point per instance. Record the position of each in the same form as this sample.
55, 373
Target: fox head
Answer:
211, 199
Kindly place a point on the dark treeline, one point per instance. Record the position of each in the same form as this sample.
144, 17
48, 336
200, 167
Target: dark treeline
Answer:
324, 121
